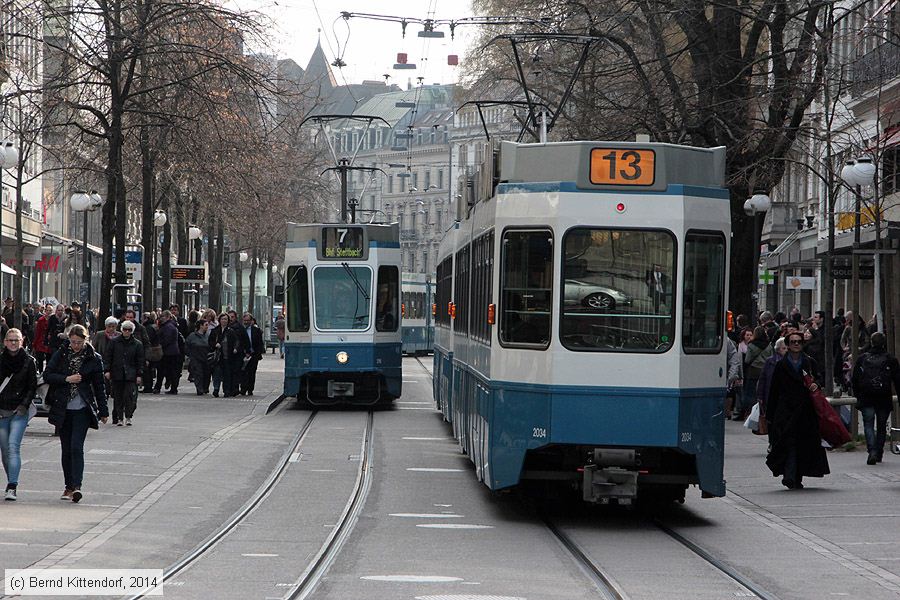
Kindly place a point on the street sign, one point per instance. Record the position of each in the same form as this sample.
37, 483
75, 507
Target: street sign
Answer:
188, 274
800, 283
846, 272
134, 260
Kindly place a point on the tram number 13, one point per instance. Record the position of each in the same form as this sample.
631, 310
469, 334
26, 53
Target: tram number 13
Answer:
623, 166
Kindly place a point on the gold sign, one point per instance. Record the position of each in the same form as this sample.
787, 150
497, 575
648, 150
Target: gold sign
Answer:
623, 166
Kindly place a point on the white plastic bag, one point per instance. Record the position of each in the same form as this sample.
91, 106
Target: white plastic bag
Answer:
752, 421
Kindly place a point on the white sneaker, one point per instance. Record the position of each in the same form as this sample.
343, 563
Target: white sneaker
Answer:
11, 495
128, 422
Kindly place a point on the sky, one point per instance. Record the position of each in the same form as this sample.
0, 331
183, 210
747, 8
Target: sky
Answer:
370, 47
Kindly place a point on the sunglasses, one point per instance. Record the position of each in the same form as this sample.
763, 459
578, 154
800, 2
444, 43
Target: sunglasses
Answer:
796, 342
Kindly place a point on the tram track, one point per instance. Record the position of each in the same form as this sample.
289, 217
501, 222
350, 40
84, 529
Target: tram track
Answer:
598, 577
238, 517
719, 565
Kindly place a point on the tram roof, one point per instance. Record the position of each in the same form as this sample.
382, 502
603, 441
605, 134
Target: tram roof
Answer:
572, 161
375, 232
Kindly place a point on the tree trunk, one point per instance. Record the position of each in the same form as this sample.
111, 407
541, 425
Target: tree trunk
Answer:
121, 220
20, 245
251, 288
740, 289
181, 245
238, 280
108, 227
216, 244
148, 229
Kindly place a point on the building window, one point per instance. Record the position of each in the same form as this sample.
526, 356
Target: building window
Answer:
427, 179
440, 179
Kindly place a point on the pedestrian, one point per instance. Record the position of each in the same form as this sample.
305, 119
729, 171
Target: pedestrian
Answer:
40, 347
172, 361
76, 317
873, 375
734, 379
180, 322
765, 383
253, 350
772, 328
198, 357
18, 384
101, 339
78, 403
124, 364
152, 352
56, 326
758, 352
795, 445
222, 342
279, 331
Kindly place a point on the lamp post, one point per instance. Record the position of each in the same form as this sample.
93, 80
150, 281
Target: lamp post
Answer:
756, 206
85, 203
159, 221
9, 158
194, 234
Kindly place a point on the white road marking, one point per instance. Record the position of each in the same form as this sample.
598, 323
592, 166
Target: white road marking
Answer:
428, 439
453, 526
412, 402
434, 470
468, 596
425, 516
412, 578
259, 555
321, 470
294, 457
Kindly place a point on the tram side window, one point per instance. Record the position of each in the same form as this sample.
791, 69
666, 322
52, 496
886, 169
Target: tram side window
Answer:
461, 294
442, 293
704, 285
482, 273
618, 290
298, 299
527, 287
386, 307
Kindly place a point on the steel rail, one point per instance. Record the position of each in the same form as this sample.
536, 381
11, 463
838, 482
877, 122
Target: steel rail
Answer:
598, 577
715, 562
307, 582
261, 493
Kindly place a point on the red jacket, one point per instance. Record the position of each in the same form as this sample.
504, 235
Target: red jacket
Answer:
40, 335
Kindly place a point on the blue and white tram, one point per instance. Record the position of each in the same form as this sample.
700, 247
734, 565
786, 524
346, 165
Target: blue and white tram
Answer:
342, 297
580, 324
418, 322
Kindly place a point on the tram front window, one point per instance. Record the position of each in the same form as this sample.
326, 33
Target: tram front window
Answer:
618, 291
342, 295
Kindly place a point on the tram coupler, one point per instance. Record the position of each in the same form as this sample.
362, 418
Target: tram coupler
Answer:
610, 476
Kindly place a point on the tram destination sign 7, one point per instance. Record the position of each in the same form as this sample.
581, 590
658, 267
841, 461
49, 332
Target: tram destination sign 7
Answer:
343, 243
623, 166
188, 274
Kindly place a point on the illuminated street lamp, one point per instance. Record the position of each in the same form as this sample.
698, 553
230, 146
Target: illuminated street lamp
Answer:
85, 203
756, 206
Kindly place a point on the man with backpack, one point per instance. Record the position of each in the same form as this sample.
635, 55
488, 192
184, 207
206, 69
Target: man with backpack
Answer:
873, 375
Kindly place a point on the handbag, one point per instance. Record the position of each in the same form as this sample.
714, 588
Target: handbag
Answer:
154, 353
752, 421
831, 428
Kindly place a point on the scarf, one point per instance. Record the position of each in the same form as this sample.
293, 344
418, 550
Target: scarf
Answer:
11, 363
75, 361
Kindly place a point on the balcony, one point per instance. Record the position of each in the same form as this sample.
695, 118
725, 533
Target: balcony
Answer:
875, 68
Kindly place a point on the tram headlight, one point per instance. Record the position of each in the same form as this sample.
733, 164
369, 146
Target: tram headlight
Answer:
342, 357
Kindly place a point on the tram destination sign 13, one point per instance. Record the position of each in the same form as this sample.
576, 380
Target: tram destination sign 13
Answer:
623, 166
188, 273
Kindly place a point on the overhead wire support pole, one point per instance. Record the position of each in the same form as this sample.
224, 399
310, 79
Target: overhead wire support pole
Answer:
571, 86
531, 116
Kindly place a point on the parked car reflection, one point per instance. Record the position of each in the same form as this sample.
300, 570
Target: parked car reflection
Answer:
594, 297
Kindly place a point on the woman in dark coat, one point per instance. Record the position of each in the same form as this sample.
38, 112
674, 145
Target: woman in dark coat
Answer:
796, 447
222, 341
78, 397
15, 400
198, 353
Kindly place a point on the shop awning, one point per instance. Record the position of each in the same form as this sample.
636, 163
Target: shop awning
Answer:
56, 238
7, 269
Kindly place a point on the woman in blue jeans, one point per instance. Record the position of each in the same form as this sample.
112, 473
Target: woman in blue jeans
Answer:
78, 396
18, 378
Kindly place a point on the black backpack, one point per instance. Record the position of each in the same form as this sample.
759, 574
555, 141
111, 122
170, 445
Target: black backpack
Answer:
875, 375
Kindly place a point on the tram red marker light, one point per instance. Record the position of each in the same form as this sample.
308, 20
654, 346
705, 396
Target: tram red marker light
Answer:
452, 310
580, 469
643, 472
620, 207
403, 309
492, 314
433, 309
449, 309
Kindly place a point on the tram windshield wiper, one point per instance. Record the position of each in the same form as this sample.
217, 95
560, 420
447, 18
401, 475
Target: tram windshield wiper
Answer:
352, 275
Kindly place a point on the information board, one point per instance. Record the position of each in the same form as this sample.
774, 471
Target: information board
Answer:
188, 274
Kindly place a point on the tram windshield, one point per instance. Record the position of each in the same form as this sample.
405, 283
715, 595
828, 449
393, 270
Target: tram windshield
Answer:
618, 290
342, 296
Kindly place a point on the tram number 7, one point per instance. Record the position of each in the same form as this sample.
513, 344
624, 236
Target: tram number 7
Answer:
616, 166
